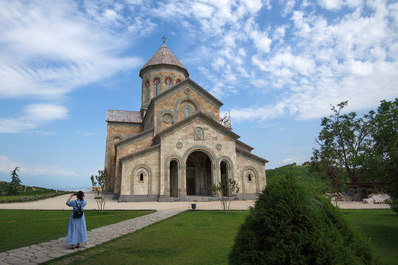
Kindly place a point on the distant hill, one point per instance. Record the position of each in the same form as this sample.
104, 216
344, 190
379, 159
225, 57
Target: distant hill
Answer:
302, 173
27, 190
27, 193
293, 169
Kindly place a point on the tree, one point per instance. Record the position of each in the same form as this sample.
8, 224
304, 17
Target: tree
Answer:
382, 159
293, 224
98, 182
226, 187
15, 184
385, 135
344, 140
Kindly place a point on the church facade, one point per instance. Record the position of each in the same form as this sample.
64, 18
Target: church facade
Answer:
175, 147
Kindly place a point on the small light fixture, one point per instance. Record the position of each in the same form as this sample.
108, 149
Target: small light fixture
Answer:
193, 205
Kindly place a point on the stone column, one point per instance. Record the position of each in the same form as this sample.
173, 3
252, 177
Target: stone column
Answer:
182, 185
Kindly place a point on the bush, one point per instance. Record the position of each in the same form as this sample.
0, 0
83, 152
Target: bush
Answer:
291, 224
394, 204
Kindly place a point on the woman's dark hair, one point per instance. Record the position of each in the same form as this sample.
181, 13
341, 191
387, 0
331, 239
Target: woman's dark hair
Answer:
80, 195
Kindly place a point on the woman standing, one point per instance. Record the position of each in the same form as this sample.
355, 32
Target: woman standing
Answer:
77, 232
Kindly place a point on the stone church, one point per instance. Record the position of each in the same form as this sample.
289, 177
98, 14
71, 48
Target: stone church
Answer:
176, 146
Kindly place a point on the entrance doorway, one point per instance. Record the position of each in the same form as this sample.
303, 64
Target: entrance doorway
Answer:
173, 178
224, 178
198, 174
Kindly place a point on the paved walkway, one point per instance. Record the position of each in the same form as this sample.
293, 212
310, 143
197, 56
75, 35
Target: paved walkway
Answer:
58, 203
43, 252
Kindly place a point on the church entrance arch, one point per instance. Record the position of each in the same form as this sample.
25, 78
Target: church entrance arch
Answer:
199, 177
173, 178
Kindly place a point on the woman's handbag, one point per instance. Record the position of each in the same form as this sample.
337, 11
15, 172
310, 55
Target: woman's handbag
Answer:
79, 212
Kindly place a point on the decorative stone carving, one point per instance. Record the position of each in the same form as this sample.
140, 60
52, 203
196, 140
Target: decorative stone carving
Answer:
179, 145
218, 146
199, 134
187, 91
167, 119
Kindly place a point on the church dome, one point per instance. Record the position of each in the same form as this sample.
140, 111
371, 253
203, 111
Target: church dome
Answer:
164, 57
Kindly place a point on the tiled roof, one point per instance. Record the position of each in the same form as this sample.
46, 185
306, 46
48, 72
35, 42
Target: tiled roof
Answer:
123, 116
164, 56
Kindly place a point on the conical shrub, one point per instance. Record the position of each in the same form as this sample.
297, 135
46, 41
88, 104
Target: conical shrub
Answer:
291, 224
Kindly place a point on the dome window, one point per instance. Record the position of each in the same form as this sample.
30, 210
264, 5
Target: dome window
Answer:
147, 91
156, 82
168, 82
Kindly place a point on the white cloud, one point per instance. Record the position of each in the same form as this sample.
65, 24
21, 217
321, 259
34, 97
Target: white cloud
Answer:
47, 170
253, 6
84, 133
45, 112
289, 7
66, 49
261, 41
322, 63
111, 15
279, 33
7, 165
309, 60
142, 26
218, 63
202, 10
330, 4
39, 132
35, 115
51, 48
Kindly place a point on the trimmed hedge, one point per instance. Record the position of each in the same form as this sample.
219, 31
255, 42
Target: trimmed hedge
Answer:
291, 224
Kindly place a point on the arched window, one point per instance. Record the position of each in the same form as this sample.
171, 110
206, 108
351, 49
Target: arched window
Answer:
168, 82
141, 177
147, 90
250, 176
187, 111
157, 84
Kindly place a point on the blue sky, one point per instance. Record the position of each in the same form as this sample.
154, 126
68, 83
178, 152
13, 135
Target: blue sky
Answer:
276, 65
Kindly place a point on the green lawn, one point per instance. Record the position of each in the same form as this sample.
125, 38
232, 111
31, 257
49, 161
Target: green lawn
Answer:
20, 228
382, 227
193, 237
206, 237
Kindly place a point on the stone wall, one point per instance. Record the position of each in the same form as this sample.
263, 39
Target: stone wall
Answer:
127, 147
256, 181
140, 174
117, 132
174, 107
179, 144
